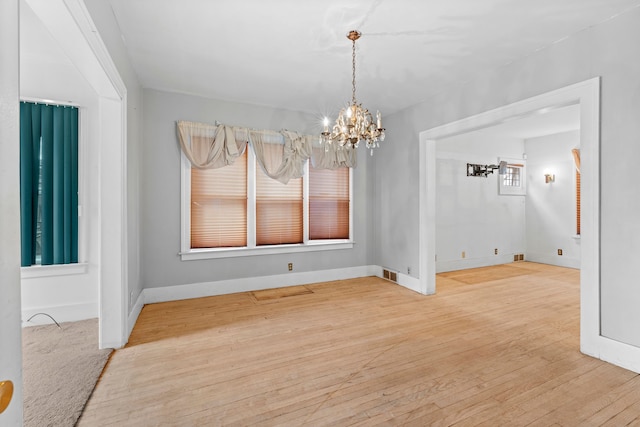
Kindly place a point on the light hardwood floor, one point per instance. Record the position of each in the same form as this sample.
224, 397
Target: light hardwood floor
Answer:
496, 346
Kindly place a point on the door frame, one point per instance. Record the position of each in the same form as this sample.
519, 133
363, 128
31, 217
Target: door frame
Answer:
71, 25
587, 95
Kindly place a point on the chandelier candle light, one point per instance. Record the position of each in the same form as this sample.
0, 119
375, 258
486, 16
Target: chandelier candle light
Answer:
355, 123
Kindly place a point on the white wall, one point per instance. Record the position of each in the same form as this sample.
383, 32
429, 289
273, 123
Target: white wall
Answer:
160, 196
46, 73
471, 215
550, 209
583, 56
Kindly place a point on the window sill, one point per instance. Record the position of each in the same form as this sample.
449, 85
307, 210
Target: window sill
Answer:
36, 271
197, 254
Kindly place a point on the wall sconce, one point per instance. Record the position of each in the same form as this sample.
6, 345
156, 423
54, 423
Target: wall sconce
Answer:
549, 177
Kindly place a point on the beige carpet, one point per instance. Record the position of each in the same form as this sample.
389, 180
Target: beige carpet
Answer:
60, 369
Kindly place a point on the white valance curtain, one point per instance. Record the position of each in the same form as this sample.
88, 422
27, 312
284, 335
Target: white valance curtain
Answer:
210, 147
281, 155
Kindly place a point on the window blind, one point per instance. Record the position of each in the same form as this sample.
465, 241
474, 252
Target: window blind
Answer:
219, 206
578, 203
328, 203
278, 210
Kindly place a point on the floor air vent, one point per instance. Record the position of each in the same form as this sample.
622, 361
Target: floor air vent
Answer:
390, 275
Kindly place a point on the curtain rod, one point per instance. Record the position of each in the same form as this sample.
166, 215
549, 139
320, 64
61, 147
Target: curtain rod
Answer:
49, 102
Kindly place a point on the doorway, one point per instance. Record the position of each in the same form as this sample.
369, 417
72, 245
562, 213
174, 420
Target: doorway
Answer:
492, 215
104, 103
585, 94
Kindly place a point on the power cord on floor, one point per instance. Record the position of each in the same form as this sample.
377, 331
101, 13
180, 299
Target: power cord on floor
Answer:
45, 314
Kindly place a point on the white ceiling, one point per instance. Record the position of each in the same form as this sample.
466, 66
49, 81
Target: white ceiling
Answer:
294, 54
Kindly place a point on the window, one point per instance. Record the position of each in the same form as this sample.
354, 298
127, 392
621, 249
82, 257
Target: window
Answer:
219, 206
512, 177
329, 203
513, 182
279, 207
48, 184
238, 210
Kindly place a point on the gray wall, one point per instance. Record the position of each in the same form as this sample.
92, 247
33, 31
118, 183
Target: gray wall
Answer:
609, 50
551, 208
471, 215
160, 197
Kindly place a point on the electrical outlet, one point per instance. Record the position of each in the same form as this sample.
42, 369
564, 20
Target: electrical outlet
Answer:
464, 254
495, 251
290, 266
131, 298
408, 270
559, 251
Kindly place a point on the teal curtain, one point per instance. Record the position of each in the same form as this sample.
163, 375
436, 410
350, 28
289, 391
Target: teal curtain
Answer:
48, 183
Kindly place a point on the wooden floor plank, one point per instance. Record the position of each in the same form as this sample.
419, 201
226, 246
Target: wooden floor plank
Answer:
494, 346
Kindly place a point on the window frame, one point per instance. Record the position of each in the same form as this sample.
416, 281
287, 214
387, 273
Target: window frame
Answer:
81, 267
510, 190
307, 245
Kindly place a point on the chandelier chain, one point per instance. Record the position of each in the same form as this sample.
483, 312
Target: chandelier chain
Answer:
353, 73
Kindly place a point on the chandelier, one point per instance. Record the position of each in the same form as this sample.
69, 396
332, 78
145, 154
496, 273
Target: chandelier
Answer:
355, 123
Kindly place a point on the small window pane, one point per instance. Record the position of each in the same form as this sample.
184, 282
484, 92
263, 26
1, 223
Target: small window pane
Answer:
279, 209
512, 177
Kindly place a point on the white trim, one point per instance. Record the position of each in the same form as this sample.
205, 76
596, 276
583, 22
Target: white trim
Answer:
116, 87
222, 287
587, 95
560, 261
61, 313
618, 353
36, 271
311, 246
251, 197
403, 280
135, 313
427, 218
350, 204
100, 70
463, 264
305, 203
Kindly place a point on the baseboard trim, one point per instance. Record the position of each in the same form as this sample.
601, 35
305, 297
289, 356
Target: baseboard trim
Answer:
61, 313
463, 264
559, 261
221, 287
617, 353
135, 312
403, 280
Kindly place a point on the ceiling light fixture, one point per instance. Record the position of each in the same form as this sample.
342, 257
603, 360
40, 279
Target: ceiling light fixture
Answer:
355, 123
